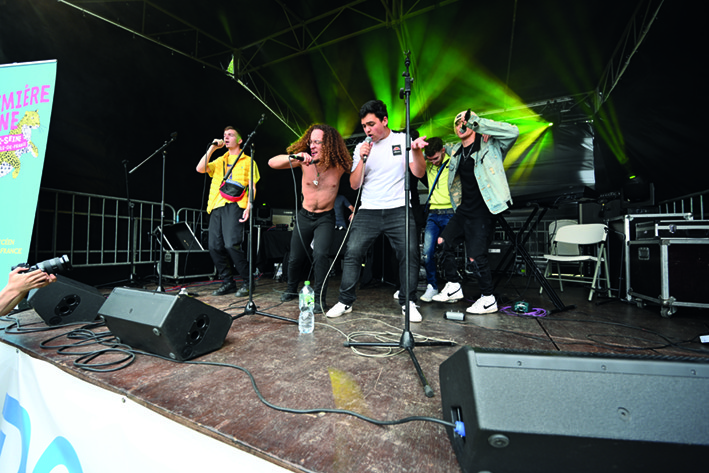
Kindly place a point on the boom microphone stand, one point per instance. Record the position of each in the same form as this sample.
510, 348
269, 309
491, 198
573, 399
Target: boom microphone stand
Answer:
250, 307
173, 137
132, 278
407, 339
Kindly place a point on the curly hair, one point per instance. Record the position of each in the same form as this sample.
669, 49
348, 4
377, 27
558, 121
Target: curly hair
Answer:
333, 152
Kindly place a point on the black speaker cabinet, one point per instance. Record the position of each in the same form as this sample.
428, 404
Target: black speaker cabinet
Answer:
66, 301
543, 412
170, 325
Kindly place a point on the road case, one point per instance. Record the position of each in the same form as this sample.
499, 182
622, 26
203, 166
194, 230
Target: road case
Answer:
622, 232
187, 264
671, 272
672, 229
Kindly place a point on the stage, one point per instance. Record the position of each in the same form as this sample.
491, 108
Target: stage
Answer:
309, 373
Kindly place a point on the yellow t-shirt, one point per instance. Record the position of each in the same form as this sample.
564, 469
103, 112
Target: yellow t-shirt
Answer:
440, 199
241, 173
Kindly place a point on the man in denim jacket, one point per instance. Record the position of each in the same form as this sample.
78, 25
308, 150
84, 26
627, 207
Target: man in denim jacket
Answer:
479, 191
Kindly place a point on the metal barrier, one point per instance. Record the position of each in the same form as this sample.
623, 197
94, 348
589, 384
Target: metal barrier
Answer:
96, 230
692, 203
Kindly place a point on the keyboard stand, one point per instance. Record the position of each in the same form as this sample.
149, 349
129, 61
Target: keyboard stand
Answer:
519, 241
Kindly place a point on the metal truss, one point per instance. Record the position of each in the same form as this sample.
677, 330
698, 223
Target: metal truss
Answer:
638, 27
164, 23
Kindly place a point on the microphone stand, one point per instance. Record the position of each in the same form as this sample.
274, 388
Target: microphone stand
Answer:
251, 307
133, 278
407, 339
173, 137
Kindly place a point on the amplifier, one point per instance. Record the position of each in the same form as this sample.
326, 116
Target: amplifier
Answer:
284, 217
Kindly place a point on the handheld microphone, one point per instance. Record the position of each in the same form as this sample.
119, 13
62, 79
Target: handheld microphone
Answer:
216, 142
301, 159
367, 140
465, 123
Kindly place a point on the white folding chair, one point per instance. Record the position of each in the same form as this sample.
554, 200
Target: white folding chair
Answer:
562, 248
591, 235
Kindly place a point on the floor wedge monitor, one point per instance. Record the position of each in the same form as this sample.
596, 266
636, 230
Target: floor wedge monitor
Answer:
66, 301
170, 325
561, 412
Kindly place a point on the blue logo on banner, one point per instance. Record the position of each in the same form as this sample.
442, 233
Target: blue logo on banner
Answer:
59, 452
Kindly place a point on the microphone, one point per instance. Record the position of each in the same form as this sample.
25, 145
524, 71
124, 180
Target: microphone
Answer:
367, 140
216, 142
301, 159
465, 123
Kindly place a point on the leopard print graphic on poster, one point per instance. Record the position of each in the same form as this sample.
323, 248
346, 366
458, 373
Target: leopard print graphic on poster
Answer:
10, 160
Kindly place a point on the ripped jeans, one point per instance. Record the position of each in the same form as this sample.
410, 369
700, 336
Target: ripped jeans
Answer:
477, 233
435, 224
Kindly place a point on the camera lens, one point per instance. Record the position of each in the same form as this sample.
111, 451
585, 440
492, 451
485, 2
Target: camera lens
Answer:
55, 265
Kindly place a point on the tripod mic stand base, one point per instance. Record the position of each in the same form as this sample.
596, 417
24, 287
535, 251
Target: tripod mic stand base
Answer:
251, 309
406, 343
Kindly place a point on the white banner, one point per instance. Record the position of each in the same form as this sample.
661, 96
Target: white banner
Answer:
54, 422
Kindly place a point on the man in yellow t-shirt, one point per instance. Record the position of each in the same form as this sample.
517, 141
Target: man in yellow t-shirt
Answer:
227, 219
440, 210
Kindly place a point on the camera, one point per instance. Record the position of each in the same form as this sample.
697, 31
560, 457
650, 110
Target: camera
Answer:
50, 266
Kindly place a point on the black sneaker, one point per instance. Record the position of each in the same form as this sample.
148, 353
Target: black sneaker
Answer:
243, 291
226, 288
288, 296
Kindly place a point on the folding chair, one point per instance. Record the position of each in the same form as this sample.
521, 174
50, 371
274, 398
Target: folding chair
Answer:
592, 236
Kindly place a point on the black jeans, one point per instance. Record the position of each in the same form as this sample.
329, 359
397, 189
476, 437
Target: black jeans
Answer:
318, 229
226, 242
366, 227
477, 234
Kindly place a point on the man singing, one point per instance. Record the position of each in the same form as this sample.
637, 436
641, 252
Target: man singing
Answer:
322, 155
227, 219
479, 190
379, 165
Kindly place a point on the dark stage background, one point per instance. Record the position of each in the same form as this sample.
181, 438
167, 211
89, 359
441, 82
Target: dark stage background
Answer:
119, 97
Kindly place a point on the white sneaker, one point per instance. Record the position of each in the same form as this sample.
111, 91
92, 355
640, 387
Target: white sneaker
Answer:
338, 310
414, 314
451, 293
428, 295
484, 305
396, 295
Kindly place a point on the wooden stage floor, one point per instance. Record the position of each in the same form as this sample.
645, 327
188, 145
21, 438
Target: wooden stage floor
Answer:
317, 372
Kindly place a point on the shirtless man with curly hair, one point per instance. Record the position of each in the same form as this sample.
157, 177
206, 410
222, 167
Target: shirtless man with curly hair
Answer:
322, 155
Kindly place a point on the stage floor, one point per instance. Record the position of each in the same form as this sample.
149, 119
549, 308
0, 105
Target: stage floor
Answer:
312, 372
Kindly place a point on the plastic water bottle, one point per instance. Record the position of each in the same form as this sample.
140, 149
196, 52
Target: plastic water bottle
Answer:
306, 299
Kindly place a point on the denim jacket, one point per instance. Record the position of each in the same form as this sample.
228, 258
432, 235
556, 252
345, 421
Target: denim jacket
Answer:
489, 160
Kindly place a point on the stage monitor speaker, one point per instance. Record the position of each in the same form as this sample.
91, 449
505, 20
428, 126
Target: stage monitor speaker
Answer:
170, 325
66, 301
179, 236
560, 412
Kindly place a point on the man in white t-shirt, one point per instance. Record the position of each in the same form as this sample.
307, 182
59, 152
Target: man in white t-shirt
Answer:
379, 167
